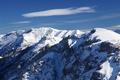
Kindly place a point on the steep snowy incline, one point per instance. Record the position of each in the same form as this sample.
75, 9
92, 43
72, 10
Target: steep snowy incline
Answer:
107, 35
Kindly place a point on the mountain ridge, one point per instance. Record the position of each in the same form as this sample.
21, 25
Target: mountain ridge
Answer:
50, 54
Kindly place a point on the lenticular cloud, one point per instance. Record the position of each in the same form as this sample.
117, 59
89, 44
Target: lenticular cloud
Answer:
59, 12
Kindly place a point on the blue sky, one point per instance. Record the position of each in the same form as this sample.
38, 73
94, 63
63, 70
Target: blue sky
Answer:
61, 14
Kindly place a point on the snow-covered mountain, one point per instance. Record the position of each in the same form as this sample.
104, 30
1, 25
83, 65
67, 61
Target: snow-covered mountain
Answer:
118, 31
51, 54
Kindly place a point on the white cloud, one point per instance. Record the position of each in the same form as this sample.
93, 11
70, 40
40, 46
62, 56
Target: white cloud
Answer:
58, 12
22, 22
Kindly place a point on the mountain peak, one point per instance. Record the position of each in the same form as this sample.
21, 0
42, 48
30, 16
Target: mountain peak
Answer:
106, 35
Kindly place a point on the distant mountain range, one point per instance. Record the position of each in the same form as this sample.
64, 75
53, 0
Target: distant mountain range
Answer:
51, 54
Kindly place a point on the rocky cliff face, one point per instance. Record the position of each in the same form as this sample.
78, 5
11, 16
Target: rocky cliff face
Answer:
50, 54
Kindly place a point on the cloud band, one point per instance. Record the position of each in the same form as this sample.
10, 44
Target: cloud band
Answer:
59, 12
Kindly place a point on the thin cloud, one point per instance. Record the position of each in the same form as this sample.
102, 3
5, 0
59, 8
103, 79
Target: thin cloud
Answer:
114, 27
118, 26
109, 16
103, 17
60, 12
22, 22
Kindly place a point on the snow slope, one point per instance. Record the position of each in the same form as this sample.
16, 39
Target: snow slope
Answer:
107, 35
